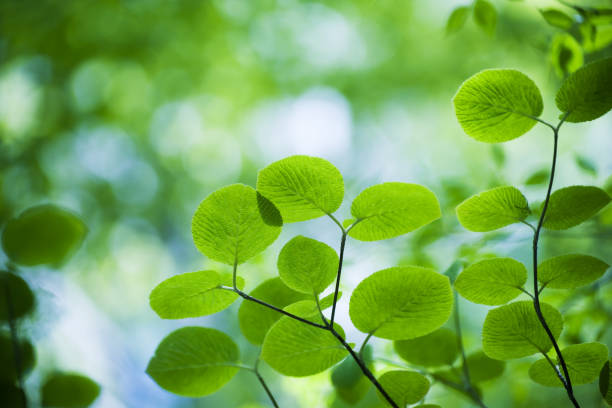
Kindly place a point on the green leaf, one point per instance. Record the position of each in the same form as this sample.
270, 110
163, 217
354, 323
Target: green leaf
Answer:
296, 349
69, 391
573, 205
255, 320
492, 281
570, 271
437, 348
194, 361
45, 234
587, 93
557, 18
307, 265
457, 19
566, 55
584, 362
497, 105
401, 303
302, 187
388, 210
193, 294
538, 177
485, 16
348, 379
514, 331
7, 358
15, 290
403, 386
235, 223
308, 308
586, 164
483, 368
493, 209
605, 383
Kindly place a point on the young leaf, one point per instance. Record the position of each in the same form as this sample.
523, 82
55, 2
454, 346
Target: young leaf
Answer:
497, 105
401, 303
302, 187
483, 368
438, 348
514, 331
388, 210
7, 358
69, 391
307, 265
587, 93
493, 209
584, 362
573, 205
235, 223
255, 320
403, 386
45, 234
570, 271
194, 361
492, 281
17, 291
557, 18
605, 383
296, 349
457, 19
485, 16
193, 294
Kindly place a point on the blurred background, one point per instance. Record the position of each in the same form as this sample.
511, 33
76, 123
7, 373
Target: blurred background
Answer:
130, 112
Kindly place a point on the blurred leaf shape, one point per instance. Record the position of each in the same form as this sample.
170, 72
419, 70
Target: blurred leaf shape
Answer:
557, 18
457, 19
404, 387
566, 55
16, 297
483, 368
605, 383
586, 164
493, 209
538, 177
348, 379
438, 348
571, 206
485, 16
570, 271
492, 281
67, 390
27, 358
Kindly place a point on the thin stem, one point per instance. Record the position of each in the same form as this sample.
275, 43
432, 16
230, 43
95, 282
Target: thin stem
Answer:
15, 343
365, 342
526, 292
536, 298
337, 288
555, 368
263, 384
529, 225
335, 220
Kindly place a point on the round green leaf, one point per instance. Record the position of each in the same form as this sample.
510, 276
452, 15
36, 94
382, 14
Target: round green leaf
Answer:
45, 234
64, 390
605, 383
584, 362
193, 294
255, 320
7, 358
573, 205
587, 93
557, 18
483, 368
296, 349
194, 361
401, 303
438, 348
514, 331
497, 105
492, 281
307, 265
391, 209
302, 187
15, 290
235, 223
493, 209
404, 387
570, 271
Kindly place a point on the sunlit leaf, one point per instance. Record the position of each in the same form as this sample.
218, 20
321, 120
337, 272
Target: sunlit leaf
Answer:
391, 209
437, 348
514, 331
493, 209
401, 303
235, 223
15, 290
404, 387
584, 363
570, 271
492, 281
587, 93
67, 390
302, 187
571, 206
45, 234
193, 294
194, 361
